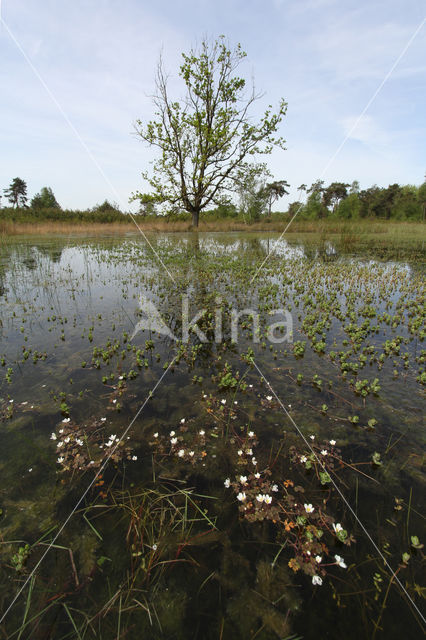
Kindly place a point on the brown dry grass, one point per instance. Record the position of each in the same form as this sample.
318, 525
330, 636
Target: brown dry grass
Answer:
394, 228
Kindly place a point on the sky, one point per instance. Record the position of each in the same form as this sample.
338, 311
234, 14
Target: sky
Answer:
75, 75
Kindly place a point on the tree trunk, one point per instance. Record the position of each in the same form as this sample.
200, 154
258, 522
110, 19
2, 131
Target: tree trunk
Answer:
195, 217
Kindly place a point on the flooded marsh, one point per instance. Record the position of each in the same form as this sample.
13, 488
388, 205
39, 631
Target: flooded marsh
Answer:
251, 481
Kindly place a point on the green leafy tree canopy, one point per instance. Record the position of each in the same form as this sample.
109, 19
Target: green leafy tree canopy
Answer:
206, 137
274, 191
45, 200
16, 193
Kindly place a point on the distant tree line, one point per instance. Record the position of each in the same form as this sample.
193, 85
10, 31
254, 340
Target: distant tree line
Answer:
257, 191
346, 201
44, 206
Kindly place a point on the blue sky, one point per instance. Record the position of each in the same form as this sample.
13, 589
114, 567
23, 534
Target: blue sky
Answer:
75, 75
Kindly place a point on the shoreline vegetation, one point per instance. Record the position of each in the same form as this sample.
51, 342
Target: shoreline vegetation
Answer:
401, 229
347, 235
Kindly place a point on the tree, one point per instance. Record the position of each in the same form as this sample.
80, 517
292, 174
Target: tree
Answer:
106, 207
316, 187
354, 187
334, 193
295, 208
422, 198
407, 204
314, 207
17, 192
206, 137
370, 202
349, 207
274, 191
45, 200
252, 190
303, 187
146, 204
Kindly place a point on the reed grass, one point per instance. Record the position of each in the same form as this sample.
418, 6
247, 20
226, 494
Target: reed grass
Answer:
389, 230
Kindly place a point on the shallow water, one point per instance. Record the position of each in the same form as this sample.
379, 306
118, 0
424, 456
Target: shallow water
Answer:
158, 546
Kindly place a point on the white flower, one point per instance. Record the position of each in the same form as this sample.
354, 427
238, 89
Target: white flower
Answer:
260, 497
312, 437
269, 398
192, 453
303, 458
173, 440
240, 452
61, 430
317, 580
60, 460
59, 445
257, 475
267, 498
53, 436
337, 527
324, 452
332, 442
243, 479
182, 421
249, 452
30, 469
172, 433
114, 401
154, 547
79, 442
113, 437
134, 458
202, 432
339, 560
223, 401
103, 419
241, 496
251, 386
66, 420
67, 439
318, 559
235, 402
11, 401
205, 395
92, 462
308, 508
156, 434
227, 483
181, 453
274, 487
251, 434
289, 406
254, 461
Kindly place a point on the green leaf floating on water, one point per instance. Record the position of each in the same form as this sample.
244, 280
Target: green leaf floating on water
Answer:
324, 477
376, 459
415, 542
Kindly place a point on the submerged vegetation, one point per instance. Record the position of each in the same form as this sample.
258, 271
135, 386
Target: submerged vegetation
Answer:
163, 488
